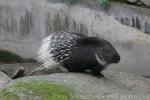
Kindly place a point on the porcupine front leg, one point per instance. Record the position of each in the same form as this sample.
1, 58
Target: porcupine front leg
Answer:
96, 71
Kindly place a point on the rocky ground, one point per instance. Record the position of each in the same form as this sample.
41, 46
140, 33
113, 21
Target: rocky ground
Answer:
75, 86
10, 69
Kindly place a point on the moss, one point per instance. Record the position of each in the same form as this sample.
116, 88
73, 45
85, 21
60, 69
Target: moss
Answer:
36, 89
5, 95
8, 57
104, 3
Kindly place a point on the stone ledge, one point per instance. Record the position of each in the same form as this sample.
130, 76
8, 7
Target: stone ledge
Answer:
115, 86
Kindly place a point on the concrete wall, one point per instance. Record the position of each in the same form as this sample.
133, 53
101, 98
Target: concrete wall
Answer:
23, 23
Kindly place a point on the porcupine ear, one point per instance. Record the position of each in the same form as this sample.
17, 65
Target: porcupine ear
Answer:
101, 62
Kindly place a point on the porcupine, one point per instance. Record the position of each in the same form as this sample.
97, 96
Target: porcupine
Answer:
77, 52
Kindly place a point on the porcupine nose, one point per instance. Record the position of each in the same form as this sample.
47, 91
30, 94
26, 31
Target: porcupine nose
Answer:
115, 58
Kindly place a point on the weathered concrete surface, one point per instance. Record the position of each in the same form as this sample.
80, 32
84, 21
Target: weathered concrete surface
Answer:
4, 79
23, 23
133, 16
21, 26
115, 86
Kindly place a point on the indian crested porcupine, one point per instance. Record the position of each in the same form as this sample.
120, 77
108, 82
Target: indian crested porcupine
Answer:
77, 53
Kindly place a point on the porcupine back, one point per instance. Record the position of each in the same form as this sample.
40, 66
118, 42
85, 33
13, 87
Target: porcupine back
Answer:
56, 48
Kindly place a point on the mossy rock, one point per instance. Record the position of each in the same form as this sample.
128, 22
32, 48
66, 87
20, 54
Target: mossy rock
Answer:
36, 90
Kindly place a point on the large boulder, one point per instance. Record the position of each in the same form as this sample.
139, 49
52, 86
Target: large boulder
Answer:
76, 86
130, 15
4, 79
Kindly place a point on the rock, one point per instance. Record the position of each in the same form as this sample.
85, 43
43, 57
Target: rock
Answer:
132, 16
115, 86
45, 71
4, 79
36, 90
10, 69
28, 69
20, 72
145, 2
132, 0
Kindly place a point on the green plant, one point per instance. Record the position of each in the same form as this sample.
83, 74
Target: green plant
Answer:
9, 57
104, 2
